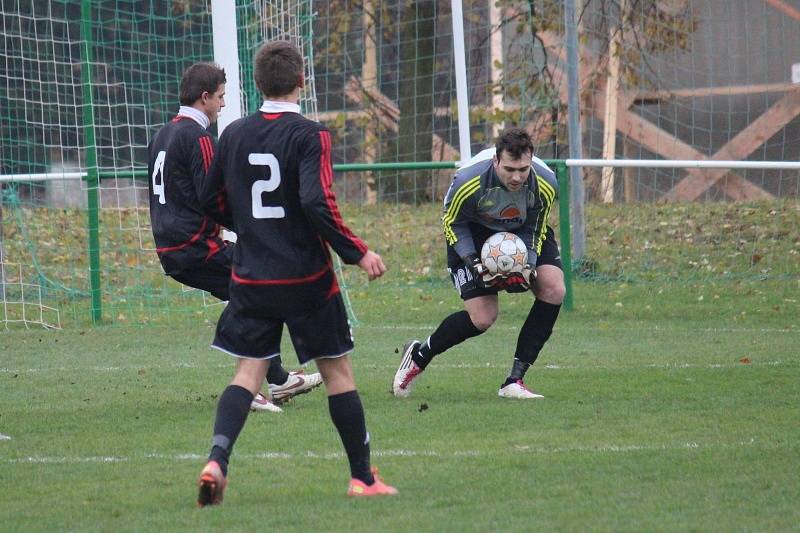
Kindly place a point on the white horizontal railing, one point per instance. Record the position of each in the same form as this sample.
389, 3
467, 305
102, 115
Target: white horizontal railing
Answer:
47, 176
683, 163
641, 163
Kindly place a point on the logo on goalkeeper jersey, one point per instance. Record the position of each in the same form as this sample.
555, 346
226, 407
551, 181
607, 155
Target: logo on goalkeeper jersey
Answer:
510, 212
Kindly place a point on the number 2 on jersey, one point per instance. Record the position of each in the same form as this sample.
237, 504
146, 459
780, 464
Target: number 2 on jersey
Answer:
158, 177
268, 185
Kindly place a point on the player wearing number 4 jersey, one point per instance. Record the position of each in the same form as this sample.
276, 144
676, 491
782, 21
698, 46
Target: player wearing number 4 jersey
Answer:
503, 188
187, 241
272, 184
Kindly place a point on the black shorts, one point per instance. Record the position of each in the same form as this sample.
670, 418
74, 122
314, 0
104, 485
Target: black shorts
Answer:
213, 275
470, 288
324, 332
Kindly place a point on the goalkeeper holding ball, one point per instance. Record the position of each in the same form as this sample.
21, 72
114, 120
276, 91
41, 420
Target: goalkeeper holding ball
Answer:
503, 188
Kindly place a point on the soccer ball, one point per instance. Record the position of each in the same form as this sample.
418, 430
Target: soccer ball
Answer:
504, 253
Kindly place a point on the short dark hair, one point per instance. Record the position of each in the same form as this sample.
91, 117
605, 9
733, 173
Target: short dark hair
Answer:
514, 141
278, 68
200, 78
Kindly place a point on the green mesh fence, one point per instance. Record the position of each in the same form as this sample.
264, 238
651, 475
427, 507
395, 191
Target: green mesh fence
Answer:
685, 83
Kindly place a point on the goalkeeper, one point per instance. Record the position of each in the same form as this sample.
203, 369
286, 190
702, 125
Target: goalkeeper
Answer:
187, 241
503, 188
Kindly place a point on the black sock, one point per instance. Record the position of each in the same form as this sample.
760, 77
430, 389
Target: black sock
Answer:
232, 410
534, 333
518, 369
348, 417
276, 374
453, 330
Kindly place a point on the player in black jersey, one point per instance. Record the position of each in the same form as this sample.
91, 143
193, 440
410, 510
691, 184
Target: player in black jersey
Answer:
187, 241
272, 184
504, 188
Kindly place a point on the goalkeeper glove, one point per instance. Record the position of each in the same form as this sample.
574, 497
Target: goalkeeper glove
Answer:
476, 268
479, 271
529, 273
512, 283
519, 282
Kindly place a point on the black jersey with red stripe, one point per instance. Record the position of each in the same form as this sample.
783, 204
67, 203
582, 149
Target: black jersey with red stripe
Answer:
271, 183
180, 156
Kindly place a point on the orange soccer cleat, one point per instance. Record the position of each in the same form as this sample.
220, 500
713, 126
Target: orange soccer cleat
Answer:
212, 484
358, 488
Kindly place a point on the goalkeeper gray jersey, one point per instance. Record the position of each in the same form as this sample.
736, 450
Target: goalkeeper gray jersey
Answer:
477, 196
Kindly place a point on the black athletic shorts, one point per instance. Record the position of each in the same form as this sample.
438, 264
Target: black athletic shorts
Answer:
213, 275
468, 287
323, 332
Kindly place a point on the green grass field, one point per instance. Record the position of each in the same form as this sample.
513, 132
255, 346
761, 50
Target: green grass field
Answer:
663, 411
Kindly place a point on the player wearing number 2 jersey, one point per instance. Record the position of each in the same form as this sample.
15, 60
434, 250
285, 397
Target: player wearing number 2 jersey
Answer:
187, 241
272, 184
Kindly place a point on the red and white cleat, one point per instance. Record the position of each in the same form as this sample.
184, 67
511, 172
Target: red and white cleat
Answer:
263, 403
297, 383
519, 391
407, 372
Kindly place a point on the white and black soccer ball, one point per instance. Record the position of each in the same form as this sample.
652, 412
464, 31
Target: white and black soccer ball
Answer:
504, 253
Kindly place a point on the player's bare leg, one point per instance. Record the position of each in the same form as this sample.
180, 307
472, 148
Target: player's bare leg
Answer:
549, 285
232, 410
347, 414
337, 374
483, 310
263, 401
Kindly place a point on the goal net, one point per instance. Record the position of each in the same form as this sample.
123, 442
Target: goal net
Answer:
86, 89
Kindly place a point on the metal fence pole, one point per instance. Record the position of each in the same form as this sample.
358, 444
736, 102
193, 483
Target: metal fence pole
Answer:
565, 230
574, 130
92, 177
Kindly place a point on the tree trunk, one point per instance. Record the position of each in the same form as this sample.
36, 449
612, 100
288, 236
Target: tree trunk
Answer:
369, 77
496, 63
610, 115
415, 100
628, 172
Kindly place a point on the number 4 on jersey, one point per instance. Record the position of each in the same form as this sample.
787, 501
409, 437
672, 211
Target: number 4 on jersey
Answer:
158, 178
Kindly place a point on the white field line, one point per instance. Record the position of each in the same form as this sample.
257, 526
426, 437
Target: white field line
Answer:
459, 454
427, 328
393, 365
569, 329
